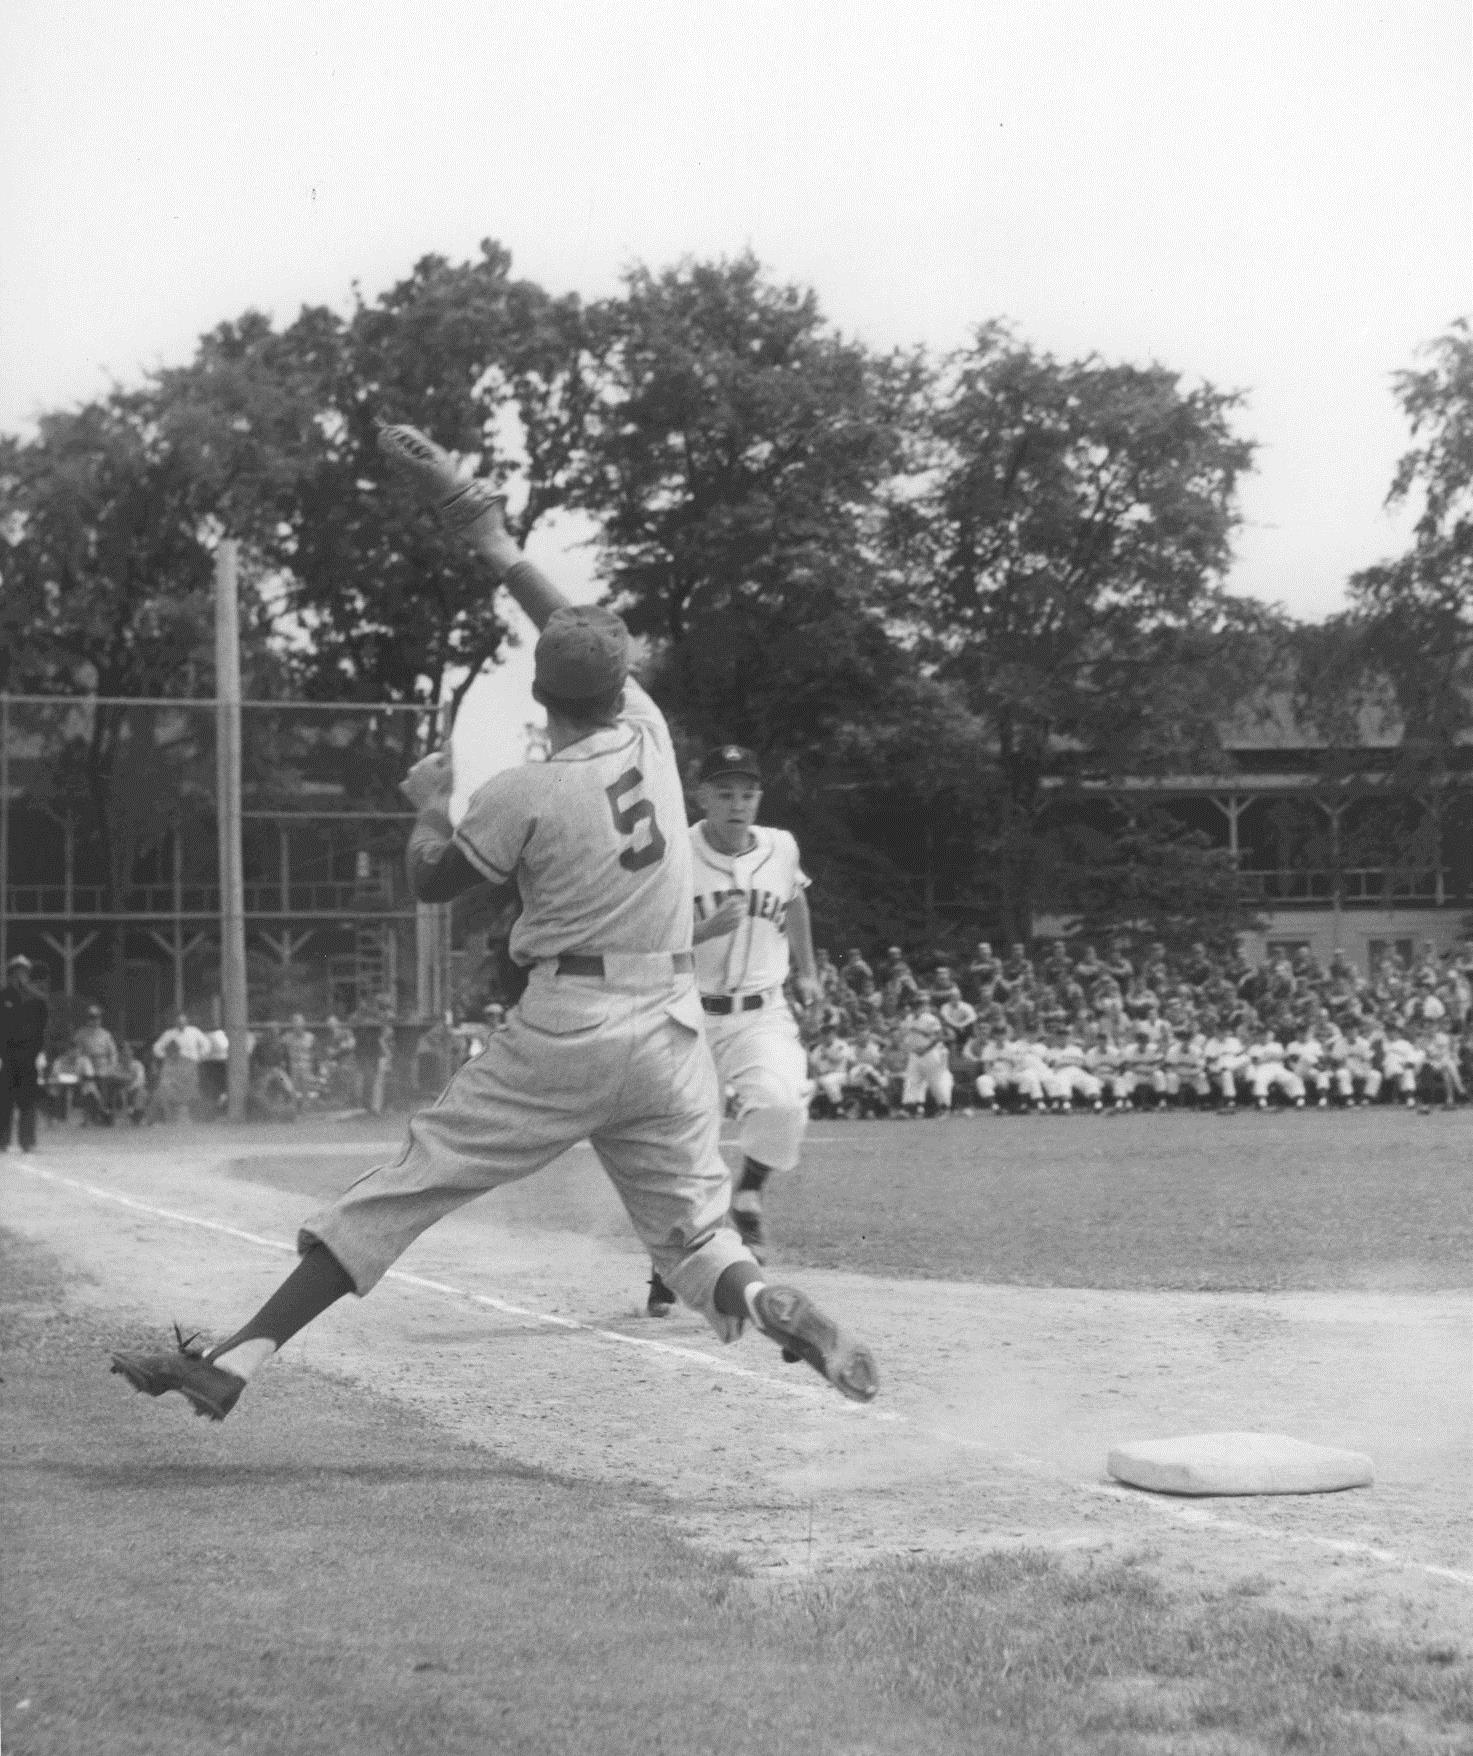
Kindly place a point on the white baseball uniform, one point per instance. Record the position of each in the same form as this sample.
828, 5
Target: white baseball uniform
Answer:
753, 1035
607, 1043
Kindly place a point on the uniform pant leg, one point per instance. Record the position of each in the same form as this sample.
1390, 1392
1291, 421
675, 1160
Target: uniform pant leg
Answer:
526, 1099
760, 1055
661, 1150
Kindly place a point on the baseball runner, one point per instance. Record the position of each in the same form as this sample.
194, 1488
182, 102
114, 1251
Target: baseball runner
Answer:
607, 1042
751, 924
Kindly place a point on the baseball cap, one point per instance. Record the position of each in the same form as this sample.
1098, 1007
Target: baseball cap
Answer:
730, 759
582, 653
20, 961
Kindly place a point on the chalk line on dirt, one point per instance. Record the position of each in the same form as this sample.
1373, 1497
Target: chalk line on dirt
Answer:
1193, 1515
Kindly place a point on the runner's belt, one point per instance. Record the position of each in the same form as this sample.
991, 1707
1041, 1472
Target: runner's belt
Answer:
577, 963
724, 1003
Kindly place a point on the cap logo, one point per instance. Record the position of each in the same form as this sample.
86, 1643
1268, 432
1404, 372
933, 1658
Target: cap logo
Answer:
732, 753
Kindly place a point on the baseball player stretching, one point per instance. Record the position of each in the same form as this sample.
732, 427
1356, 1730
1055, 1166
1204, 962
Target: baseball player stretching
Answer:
607, 1042
751, 918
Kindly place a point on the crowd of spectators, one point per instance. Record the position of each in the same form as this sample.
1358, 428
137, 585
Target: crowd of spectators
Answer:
367, 1063
1064, 1027
1069, 1027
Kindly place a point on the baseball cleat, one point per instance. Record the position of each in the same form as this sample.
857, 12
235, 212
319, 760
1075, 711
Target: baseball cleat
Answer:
209, 1389
801, 1330
661, 1299
750, 1230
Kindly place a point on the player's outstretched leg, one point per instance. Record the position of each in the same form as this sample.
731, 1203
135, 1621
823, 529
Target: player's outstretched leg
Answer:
211, 1380
792, 1320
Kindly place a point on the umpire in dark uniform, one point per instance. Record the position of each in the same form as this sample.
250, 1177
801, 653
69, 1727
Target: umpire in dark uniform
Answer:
23, 1017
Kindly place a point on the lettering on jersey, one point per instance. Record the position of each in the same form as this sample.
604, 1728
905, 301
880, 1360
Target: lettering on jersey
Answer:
627, 819
762, 905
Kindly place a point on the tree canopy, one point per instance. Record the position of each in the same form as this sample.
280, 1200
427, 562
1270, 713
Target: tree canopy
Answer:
931, 592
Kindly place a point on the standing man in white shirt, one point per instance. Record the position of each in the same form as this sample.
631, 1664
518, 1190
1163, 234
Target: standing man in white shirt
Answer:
192, 1047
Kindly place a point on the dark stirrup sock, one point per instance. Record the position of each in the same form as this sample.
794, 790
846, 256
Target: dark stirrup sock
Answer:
317, 1281
730, 1297
754, 1175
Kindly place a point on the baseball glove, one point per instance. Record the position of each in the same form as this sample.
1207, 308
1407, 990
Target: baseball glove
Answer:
439, 476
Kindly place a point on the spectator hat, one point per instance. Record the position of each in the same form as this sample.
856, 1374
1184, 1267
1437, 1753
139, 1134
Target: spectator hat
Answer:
727, 759
20, 961
581, 654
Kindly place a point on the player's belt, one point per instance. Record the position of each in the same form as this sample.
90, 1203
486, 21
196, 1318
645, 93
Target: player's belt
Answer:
577, 963
724, 1003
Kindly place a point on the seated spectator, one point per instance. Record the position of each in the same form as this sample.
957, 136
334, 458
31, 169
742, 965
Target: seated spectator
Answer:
96, 1042
176, 1087
301, 1056
1440, 1066
1056, 966
71, 1085
856, 974
1185, 1066
1401, 1063
1088, 967
984, 969
1067, 1078
1268, 1072
958, 1017
132, 1103
1116, 963
1018, 977
866, 1084
829, 1061
1227, 1061
436, 1056
272, 1090
1018, 1069
1142, 1079
1363, 1074
979, 1059
898, 983
1304, 1056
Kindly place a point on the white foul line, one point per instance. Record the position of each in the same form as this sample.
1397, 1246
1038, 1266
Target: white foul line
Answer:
805, 1389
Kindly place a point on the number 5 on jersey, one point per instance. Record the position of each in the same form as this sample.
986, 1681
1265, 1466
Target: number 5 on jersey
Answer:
627, 819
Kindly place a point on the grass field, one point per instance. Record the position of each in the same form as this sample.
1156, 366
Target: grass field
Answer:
1343, 1200
1346, 1201
172, 1588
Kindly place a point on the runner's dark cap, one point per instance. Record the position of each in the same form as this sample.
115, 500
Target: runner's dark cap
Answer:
730, 759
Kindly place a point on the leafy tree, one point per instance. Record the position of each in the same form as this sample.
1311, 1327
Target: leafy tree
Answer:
380, 603
1068, 560
736, 461
1144, 875
1411, 619
107, 593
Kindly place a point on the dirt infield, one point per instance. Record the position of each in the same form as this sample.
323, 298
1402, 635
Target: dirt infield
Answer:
503, 1326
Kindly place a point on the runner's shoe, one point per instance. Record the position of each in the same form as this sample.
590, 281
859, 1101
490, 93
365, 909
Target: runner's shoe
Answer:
801, 1330
209, 1389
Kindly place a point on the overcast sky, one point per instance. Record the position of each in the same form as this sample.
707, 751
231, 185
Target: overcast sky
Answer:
1276, 197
